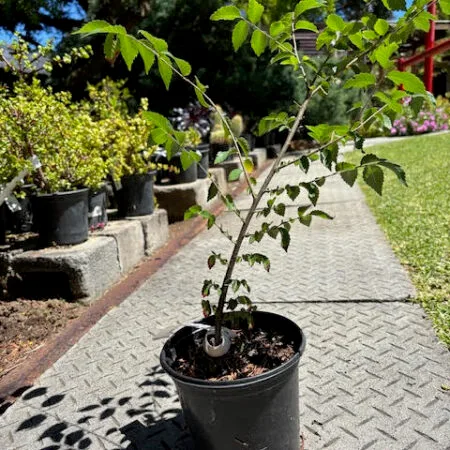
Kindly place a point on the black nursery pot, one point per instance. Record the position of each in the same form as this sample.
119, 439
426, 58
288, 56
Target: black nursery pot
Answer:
97, 215
203, 166
261, 412
135, 198
62, 218
184, 176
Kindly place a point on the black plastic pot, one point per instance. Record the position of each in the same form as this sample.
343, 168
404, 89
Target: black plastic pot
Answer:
261, 412
184, 176
135, 198
3, 208
21, 221
97, 215
62, 218
203, 166
214, 149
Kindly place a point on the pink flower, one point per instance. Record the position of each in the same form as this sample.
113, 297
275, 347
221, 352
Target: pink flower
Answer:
393, 131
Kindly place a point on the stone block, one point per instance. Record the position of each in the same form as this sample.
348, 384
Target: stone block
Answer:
177, 198
83, 271
129, 237
259, 156
155, 227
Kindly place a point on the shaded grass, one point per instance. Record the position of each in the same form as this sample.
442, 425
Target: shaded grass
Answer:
416, 219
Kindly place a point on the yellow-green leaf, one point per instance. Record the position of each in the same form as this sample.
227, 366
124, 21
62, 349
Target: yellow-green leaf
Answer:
381, 27
258, 42
306, 5
361, 80
184, 66
239, 35
410, 82
229, 12
255, 11
165, 70
306, 25
248, 165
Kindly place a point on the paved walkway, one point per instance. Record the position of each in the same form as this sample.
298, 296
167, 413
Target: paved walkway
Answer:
370, 378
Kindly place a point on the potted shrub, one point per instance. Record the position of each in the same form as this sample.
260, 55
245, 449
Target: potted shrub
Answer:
230, 398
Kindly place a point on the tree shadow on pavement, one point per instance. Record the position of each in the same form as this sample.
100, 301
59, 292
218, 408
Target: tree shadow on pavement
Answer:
149, 418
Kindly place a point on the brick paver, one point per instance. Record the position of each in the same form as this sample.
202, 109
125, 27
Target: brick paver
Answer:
372, 375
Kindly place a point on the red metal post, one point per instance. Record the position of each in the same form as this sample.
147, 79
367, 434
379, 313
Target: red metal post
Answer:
429, 44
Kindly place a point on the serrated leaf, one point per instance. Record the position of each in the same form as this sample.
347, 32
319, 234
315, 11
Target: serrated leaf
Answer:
100, 26
212, 191
374, 177
235, 174
292, 192
357, 40
193, 211
361, 80
395, 5
184, 66
399, 172
165, 70
147, 56
285, 239
306, 5
255, 11
305, 220
244, 146
239, 35
222, 156
201, 89
335, 22
258, 42
321, 214
158, 119
228, 12
306, 25
409, 81
248, 165
381, 27
277, 28
159, 136
444, 5
348, 172
280, 209
128, 50
189, 157
110, 47
382, 54
304, 163
160, 45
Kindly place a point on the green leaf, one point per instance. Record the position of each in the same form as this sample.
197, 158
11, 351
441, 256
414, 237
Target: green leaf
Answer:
335, 22
306, 25
100, 26
381, 27
212, 191
305, 220
374, 177
244, 146
222, 156
399, 172
189, 157
158, 119
258, 42
211, 261
128, 50
361, 80
321, 214
147, 56
422, 21
255, 11
444, 6
248, 165
206, 308
229, 12
239, 35
184, 66
159, 136
357, 40
110, 47
348, 172
285, 239
277, 28
193, 211
410, 82
235, 174
201, 89
304, 163
160, 45
165, 70
395, 5
383, 54
306, 5
292, 192
280, 209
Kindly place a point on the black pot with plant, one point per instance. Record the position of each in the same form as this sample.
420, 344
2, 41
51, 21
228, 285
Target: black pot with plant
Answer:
97, 210
135, 196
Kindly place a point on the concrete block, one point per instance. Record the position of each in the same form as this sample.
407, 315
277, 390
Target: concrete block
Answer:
155, 227
83, 271
177, 198
259, 156
218, 174
129, 237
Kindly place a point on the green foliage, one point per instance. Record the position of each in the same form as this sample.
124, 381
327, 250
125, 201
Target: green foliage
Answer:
368, 40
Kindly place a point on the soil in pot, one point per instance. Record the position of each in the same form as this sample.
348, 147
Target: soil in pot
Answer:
135, 198
253, 404
203, 165
62, 218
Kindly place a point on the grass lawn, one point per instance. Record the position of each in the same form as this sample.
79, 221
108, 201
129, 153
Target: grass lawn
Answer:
416, 219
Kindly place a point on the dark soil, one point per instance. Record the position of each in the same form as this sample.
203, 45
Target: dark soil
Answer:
25, 325
252, 353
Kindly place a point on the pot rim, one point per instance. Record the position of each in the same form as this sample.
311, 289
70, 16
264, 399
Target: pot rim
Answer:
63, 193
180, 378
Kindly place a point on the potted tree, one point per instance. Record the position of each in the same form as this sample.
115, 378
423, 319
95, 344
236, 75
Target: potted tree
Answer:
236, 370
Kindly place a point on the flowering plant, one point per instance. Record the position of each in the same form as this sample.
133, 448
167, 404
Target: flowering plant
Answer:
430, 118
